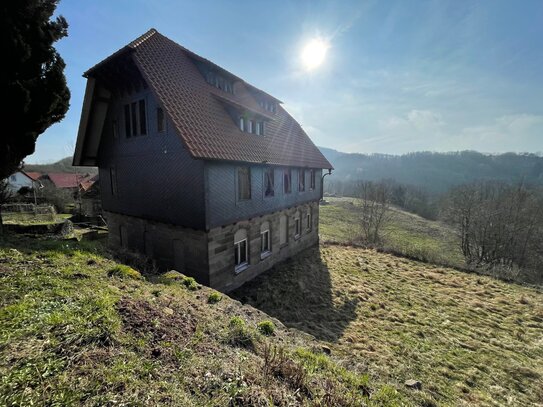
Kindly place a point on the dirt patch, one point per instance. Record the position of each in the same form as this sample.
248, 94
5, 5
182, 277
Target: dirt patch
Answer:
158, 324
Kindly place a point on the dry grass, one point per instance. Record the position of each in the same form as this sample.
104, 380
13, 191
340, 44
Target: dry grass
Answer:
470, 340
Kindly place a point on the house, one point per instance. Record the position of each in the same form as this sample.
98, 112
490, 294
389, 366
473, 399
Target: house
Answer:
199, 169
91, 204
63, 180
22, 179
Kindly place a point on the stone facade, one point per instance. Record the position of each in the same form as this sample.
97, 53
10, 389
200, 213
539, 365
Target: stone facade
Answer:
209, 256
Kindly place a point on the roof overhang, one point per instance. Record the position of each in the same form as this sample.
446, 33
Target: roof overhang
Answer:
91, 125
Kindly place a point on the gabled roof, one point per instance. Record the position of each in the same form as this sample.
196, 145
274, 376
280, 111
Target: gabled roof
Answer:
34, 175
197, 110
66, 180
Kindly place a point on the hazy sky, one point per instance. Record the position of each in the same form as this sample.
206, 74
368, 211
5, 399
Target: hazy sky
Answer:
398, 77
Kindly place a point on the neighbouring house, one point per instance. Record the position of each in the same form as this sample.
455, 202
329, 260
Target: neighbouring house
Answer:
91, 204
23, 179
198, 169
63, 180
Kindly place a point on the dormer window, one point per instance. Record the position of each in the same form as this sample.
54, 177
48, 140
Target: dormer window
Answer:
135, 119
269, 106
219, 81
251, 126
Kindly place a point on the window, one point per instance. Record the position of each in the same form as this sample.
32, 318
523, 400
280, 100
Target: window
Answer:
113, 180
258, 128
265, 241
242, 123
297, 225
287, 178
312, 180
251, 128
244, 183
241, 252
269, 185
13, 178
115, 129
142, 117
127, 127
301, 180
269, 106
135, 119
160, 122
283, 230
220, 82
308, 220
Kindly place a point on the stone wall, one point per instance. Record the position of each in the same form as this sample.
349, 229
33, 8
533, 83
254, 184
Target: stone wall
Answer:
209, 257
222, 274
174, 247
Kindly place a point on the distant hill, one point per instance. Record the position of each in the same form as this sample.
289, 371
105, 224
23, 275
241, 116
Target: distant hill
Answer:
64, 165
436, 172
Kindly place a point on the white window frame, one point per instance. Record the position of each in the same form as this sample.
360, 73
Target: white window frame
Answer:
297, 226
242, 123
237, 247
265, 237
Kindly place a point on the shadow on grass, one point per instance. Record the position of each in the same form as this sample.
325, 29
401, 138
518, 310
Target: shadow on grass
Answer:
299, 293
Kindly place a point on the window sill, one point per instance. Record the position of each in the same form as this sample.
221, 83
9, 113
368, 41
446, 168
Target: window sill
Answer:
241, 267
265, 255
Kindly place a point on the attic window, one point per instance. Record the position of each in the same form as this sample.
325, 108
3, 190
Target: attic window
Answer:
312, 179
268, 105
301, 180
287, 178
135, 119
251, 126
220, 82
269, 184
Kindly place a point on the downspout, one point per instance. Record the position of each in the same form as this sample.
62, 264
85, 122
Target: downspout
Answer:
322, 182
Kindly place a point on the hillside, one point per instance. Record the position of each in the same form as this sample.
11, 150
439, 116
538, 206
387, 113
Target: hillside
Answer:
469, 340
78, 329
406, 233
64, 165
436, 172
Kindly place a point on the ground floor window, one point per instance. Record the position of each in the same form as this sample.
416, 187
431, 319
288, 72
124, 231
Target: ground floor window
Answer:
308, 220
241, 252
283, 230
265, 241
297, 225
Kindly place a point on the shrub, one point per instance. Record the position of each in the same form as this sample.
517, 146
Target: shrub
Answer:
172, 275
214, 298
239, 334
190, 283
123, 271
266, 327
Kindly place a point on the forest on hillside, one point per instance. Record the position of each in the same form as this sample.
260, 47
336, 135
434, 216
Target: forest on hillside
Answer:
436, 173
63, 165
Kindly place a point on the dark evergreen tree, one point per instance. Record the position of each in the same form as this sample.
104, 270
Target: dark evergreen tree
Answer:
32, 77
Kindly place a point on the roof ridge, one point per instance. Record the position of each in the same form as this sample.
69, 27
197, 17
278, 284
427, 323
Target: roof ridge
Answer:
142, 38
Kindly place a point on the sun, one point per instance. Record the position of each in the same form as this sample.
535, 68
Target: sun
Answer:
314, 53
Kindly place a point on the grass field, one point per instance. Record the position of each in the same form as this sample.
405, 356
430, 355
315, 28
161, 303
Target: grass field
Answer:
79, 329
470, 340
406, 233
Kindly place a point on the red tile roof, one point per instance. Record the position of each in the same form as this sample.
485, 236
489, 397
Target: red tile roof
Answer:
66, 180
34, 175
197, 109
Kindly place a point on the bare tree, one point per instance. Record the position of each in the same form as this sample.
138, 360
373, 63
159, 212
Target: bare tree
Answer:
500, 225
375, 209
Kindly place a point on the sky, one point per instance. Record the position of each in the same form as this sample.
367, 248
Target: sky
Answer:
398, 76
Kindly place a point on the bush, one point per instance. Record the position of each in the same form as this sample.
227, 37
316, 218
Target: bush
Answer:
123, 271
239, 334
214, 298
266, 327
172, 275
190, 283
